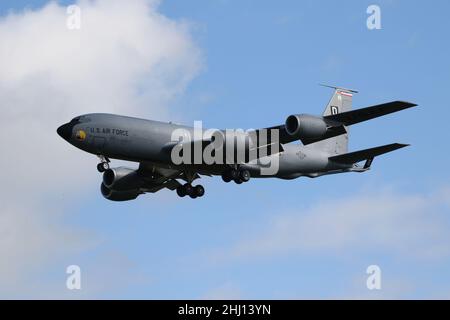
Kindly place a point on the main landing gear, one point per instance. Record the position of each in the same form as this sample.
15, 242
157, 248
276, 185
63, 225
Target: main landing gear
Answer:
103, 165
238, 176
188, 190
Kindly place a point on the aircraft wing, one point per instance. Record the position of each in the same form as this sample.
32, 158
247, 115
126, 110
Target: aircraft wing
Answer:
355, 116
157, 178
336, 123
170, 184
287, 138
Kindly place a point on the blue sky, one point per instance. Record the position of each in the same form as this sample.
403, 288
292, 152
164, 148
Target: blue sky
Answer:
260, 62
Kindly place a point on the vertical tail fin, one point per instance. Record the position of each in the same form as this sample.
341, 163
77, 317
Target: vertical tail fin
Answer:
341, 101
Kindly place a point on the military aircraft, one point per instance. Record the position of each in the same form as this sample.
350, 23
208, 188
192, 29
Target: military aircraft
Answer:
153, 144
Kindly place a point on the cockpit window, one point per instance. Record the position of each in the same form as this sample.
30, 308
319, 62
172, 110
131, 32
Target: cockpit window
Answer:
80, 120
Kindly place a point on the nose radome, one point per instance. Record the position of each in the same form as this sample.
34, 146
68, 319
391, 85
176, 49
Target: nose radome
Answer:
65, 131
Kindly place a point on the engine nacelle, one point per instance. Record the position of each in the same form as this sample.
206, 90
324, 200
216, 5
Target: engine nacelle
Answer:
114, 195
122, 179
303, 126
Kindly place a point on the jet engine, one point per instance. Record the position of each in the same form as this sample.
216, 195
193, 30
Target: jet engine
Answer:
303, 126
122, 179
114, 195
121, 184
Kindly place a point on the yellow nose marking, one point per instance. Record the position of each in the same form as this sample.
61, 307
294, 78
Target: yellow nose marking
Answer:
81, 135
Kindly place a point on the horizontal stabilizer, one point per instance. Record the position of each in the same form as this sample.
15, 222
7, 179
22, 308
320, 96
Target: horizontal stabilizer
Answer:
368, 154
352, 117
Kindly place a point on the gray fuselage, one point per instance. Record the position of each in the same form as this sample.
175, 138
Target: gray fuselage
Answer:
146, 141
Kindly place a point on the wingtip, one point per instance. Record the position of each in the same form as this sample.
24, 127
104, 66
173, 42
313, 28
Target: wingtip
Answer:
408, 104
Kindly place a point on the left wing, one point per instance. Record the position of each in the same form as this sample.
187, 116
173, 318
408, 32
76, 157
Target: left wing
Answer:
156, 178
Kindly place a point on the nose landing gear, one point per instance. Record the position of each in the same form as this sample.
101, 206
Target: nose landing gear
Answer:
103, 165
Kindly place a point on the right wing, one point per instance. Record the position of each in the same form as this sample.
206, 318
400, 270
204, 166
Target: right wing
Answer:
356, 116
336, 123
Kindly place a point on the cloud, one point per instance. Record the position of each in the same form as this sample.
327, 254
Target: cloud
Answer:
409, 225
127, 58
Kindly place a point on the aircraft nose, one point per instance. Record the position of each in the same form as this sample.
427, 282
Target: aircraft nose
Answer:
65, 131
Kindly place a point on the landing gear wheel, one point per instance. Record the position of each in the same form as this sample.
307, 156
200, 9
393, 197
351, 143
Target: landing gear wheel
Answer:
181, 192
238, 180
244, 175
188, 189
226, 177
199, 190
102, 167
193, 195
234, 174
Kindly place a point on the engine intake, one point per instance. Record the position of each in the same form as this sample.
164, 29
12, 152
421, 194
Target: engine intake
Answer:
122, 179
303, 126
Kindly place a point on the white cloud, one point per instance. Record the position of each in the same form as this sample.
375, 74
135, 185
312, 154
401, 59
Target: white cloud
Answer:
411, 225
126, 58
